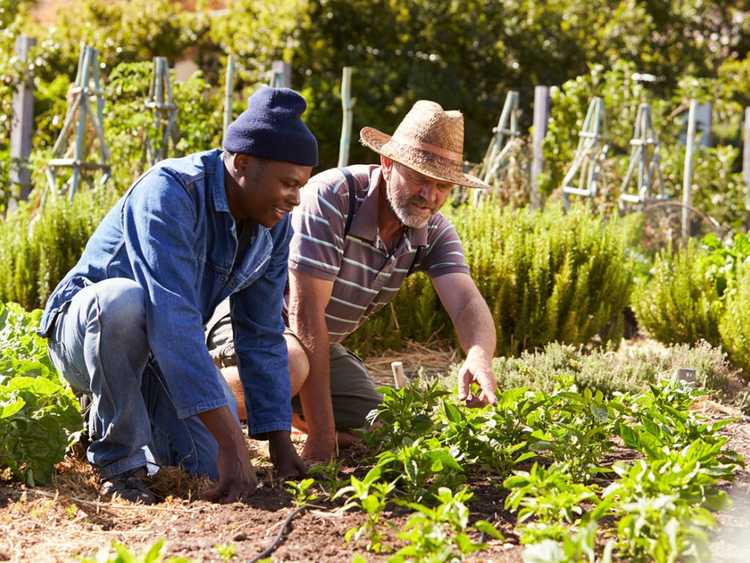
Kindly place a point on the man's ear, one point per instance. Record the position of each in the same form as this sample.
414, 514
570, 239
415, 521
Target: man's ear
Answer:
241, 162
386, 165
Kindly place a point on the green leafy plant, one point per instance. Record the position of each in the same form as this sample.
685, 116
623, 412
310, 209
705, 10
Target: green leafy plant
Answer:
154, 554
551, 496
226, 551
405, 413
371, 496
301, 492
441, 533
420, 467
39, 416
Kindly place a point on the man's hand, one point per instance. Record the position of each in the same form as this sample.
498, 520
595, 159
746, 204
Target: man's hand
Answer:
477, 368
284, 457
319, 449
237, 477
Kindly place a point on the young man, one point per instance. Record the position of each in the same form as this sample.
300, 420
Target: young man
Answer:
358, 233
126, 325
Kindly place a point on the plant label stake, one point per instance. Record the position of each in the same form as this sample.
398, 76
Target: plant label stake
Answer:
590, 153
399, 377
87, 85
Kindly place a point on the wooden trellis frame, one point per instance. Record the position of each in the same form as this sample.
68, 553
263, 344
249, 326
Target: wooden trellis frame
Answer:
644, 161
495, 157
87, 86
161, 102
591, 152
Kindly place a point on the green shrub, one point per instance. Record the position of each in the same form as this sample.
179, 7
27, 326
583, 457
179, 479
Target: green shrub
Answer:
37, 248
627, 370
735, 324
546, 275
681, 302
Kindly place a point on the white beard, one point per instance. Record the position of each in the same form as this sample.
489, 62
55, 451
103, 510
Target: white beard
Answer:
401, 210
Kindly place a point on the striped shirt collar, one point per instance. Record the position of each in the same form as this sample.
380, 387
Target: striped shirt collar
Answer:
365, 222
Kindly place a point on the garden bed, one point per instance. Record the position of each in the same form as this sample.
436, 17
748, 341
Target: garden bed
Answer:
66, 520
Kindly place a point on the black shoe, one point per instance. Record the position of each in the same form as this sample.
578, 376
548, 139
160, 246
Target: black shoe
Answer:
129, 486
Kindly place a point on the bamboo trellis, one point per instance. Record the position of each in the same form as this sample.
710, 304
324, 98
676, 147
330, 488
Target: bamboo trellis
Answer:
644, 160
591, 152
161, 102
87, 86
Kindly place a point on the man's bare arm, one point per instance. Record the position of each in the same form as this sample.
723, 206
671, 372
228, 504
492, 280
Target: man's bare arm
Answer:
308, 299
476, 332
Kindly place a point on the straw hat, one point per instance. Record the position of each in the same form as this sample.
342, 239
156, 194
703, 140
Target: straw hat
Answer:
429, 140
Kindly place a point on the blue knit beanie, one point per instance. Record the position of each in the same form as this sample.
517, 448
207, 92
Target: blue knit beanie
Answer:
271, 128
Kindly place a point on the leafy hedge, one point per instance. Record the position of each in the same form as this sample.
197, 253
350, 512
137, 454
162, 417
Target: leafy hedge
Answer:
546, 275
39, 416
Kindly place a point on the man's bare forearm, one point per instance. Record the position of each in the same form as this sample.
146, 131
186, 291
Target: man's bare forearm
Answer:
315, 394
224, 427
476, 328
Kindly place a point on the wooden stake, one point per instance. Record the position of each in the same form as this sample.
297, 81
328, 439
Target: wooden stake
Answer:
541, 120
687, 175
21, 129
346, 124
228, 89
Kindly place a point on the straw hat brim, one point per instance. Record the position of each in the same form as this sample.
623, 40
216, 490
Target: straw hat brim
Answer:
423, 162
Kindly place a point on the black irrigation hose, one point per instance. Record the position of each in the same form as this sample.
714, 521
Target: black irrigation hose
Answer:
274, 545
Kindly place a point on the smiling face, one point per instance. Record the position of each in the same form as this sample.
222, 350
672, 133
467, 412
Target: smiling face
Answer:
263, 191
413, 197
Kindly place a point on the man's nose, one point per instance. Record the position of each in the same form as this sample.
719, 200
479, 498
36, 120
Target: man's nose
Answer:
295, 198
428, 192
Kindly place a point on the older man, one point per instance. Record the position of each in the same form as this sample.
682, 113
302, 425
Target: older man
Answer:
126, 325
358, 233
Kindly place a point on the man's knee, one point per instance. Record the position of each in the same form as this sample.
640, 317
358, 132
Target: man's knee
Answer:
122, 304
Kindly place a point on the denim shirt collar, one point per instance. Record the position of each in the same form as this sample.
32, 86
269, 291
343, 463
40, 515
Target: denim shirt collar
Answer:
218, 190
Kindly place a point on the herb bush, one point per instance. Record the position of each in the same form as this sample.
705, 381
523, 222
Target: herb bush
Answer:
38, 248
735, 324
546, 275
681, 302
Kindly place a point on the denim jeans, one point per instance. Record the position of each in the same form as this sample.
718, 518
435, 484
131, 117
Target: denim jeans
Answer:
99, 344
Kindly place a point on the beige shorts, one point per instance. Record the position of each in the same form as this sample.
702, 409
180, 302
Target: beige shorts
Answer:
353, 392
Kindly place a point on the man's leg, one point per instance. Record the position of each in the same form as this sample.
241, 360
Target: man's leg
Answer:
353, 394
185, 443
299, 368
99, 345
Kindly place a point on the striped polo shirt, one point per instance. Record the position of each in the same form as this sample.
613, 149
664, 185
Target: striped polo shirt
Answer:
366, 275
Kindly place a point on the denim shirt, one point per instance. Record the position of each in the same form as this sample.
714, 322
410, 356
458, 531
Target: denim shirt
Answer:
173, 234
